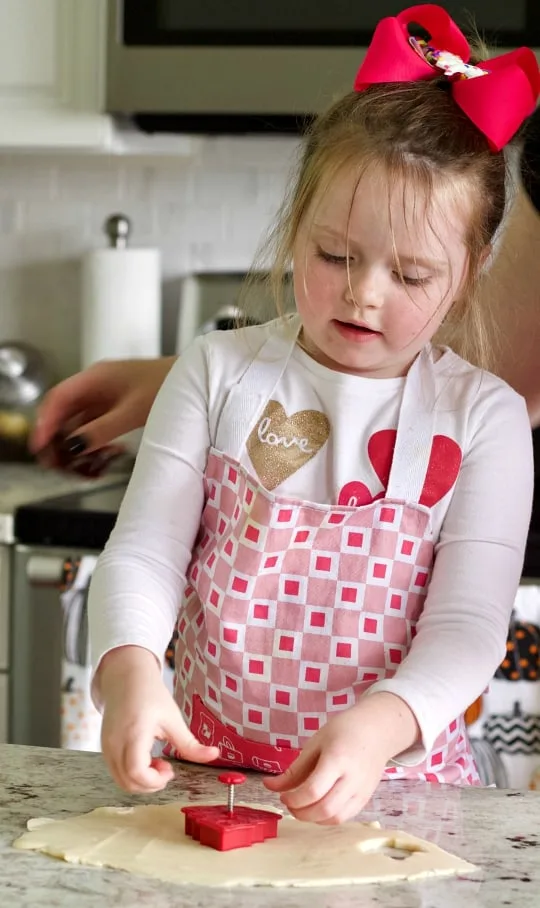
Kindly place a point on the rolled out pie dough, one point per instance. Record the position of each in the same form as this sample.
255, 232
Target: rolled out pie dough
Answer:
151, 841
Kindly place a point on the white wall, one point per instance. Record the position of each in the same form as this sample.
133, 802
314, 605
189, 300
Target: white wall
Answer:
206, 213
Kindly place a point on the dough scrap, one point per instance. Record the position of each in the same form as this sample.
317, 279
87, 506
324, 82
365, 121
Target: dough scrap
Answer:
150, 841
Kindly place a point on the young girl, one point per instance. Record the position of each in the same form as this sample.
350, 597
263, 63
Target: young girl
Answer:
333, 507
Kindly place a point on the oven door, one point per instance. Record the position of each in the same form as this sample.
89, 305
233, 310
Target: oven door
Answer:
37, 644
246, 58
49, 703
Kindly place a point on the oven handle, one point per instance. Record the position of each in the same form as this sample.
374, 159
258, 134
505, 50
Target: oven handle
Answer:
51, 570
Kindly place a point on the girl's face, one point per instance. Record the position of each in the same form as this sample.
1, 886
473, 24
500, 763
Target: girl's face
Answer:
361, 239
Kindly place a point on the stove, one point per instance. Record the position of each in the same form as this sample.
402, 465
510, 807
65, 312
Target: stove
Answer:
50, 523
82, 519
23, 483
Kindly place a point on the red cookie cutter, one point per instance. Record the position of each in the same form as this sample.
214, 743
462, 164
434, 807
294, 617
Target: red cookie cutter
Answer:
225, 828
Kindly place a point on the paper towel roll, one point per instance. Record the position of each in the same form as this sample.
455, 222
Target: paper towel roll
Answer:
121, 304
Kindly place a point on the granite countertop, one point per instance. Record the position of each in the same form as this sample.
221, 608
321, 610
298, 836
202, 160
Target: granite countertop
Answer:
495, 829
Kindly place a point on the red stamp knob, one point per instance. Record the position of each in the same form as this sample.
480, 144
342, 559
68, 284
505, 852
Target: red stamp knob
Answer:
232, 778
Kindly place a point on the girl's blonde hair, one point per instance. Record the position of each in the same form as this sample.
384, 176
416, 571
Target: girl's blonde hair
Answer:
420, 136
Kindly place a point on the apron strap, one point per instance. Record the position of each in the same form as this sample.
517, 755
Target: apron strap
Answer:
416, 423
248, 397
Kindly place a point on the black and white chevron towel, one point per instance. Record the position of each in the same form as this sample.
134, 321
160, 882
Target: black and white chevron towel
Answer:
514, 733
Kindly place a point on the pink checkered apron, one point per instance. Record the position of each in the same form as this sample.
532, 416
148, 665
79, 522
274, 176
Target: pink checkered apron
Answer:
293, 609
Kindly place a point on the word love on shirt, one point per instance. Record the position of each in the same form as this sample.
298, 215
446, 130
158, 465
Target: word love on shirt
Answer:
279, 444
267, 437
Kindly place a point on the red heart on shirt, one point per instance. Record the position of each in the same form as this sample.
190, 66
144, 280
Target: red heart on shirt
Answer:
442, 472
381, 451
355, 494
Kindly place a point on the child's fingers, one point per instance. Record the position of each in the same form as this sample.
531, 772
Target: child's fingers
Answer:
296, 773
186, 744
113, 751
314, 785
331, 808
113, 766
347, 812
138, 771
160, 764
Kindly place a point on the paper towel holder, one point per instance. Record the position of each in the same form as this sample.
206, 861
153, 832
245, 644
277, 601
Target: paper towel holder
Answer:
117, 228
120, 298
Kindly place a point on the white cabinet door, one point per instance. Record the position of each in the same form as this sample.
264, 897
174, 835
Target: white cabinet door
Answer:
52, 68
4, 704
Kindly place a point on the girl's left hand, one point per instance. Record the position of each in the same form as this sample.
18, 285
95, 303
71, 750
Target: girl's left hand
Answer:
341, 766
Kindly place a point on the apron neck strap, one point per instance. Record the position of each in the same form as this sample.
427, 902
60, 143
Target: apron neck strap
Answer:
415, 423
256, 386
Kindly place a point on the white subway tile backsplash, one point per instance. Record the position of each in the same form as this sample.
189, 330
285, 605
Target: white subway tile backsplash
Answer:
203, 256
40, 215
27, 177
168, 183
256, 151
19, 252
210, 189
205, 213
171, 218
81, 180
11, 216
271, 186
136, 183
39, 304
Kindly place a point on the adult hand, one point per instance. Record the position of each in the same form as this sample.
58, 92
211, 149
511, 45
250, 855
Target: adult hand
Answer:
138, 708
89, 410
341, 766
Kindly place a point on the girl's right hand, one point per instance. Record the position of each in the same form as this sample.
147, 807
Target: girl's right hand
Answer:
92, 408
138, 708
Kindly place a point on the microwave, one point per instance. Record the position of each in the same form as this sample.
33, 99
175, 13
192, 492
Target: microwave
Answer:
248, 64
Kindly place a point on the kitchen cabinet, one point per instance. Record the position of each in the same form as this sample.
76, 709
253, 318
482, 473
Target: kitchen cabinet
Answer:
4, 708
52, 69
5, 558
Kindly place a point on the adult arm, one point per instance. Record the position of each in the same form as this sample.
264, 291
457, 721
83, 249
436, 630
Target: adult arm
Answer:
512, 288
92, 408
530, 160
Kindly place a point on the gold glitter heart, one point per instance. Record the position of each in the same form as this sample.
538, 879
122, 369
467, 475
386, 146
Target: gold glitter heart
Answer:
279, 444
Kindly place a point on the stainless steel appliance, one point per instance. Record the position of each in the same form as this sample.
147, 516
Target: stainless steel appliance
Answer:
54, 534
213, 63
21, 484
39, 575
217, 301
208, 301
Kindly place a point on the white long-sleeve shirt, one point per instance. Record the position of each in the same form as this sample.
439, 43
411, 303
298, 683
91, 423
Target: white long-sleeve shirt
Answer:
480, 521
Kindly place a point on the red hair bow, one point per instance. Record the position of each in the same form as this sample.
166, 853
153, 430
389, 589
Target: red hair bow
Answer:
497, 101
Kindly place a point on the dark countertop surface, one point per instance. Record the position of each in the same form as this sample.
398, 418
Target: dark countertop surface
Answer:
80, 520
